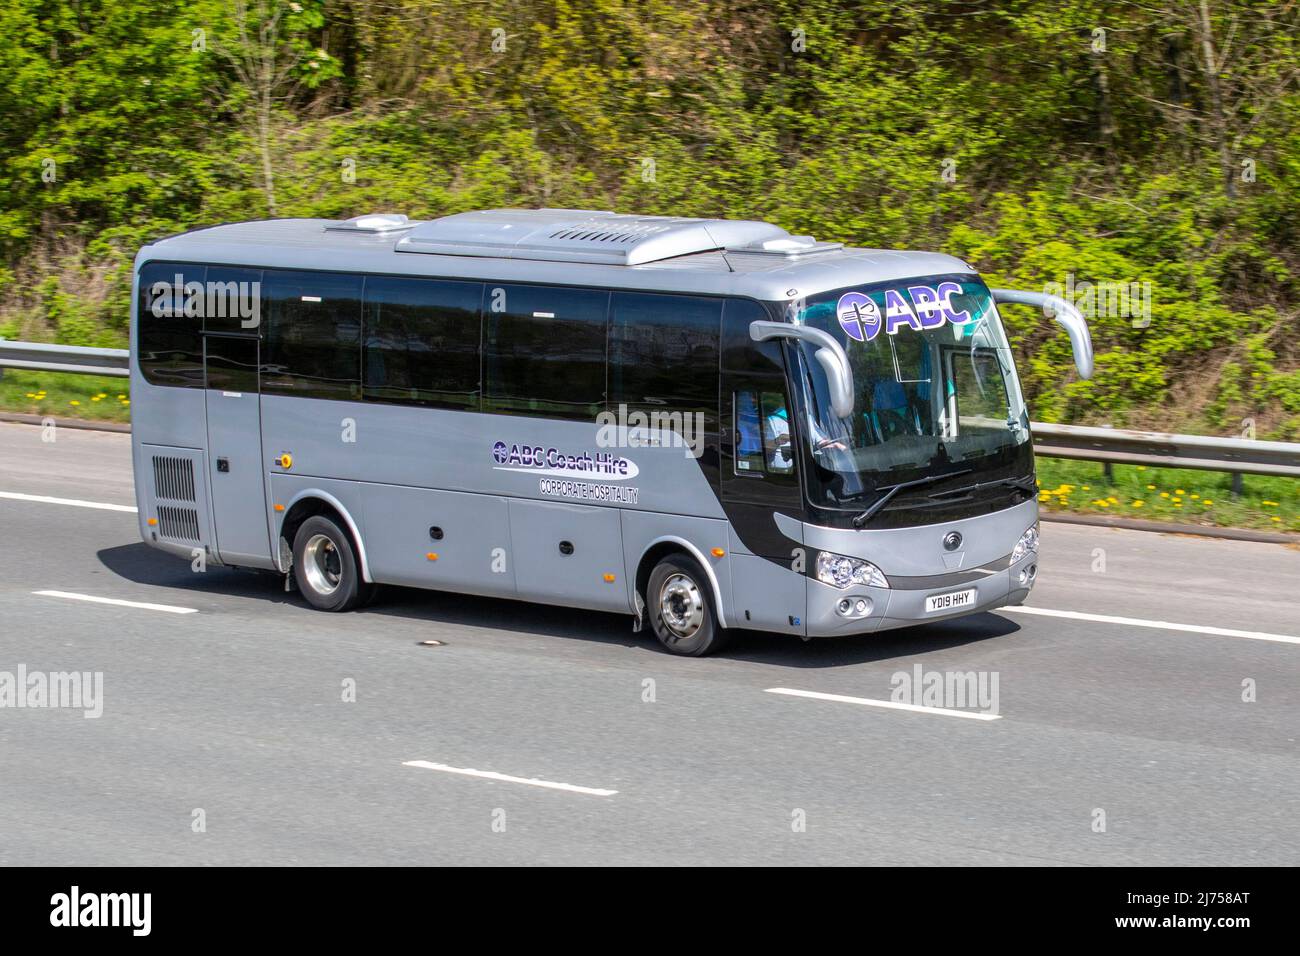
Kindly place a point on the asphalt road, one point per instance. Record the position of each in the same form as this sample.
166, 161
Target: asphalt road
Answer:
237, 710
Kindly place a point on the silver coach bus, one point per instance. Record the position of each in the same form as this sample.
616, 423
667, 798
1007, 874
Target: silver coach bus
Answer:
711, 424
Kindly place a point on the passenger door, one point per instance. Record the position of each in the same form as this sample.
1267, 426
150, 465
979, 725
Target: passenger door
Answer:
236, 469
760, 479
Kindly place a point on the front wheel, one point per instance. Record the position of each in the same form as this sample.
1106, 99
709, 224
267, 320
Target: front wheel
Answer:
681, 608
325, 566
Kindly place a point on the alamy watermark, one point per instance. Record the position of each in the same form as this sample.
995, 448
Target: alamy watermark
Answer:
1125, 300
654, 429
76, 908
951, 690
70, 690
192, 300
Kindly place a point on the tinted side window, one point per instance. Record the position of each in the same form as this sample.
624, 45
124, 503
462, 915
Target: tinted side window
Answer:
169, 345
422, 341
763, 444
740, 353
234, 300
544, 351
663, 352
232, 362
313, 334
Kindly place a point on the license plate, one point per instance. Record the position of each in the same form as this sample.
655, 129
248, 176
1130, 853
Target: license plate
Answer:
950, 601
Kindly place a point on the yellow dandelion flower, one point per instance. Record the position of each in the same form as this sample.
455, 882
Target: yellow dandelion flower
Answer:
74, 402
1179, 491
1151, 487
1138, 504
1207, 502
1164, 494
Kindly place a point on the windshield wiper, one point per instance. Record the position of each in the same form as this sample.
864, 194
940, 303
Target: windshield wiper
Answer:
891, 490
1027, 485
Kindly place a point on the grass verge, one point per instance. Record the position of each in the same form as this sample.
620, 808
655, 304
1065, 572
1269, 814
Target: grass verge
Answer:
1169, 494
65, 395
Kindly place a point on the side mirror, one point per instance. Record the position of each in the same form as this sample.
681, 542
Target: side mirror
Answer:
830, 355
1075, 325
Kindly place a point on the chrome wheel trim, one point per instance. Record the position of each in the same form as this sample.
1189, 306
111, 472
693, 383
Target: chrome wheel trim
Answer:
322, 564
681, 605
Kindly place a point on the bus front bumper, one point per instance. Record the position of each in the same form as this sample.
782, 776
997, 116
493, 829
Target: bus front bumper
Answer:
865, 610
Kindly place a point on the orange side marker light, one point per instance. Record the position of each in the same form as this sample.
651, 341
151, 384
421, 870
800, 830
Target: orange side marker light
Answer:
718, 552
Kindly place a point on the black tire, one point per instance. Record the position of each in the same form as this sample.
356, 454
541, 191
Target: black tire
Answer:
325, 566
680, 605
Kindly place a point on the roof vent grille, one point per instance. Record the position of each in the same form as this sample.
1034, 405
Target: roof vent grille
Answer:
581, 235
589, 232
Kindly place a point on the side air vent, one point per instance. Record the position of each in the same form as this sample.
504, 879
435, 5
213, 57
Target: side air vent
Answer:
175, 498
178, 523
173, 478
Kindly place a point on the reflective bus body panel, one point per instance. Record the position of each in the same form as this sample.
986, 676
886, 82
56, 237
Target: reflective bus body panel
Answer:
401, 473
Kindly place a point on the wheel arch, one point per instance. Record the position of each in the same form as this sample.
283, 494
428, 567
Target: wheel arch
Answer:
313, 501
668, 544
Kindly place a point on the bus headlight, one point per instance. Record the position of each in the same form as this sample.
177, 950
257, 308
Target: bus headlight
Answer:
842, 572
1028, 544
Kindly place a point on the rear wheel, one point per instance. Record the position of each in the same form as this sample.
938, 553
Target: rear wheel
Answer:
325, 566
681, 608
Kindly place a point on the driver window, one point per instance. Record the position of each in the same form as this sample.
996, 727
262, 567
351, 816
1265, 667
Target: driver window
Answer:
763, 437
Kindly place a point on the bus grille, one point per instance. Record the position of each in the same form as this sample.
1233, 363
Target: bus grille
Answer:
179, 523
173, 479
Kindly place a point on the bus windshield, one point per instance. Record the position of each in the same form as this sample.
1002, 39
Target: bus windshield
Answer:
936, 394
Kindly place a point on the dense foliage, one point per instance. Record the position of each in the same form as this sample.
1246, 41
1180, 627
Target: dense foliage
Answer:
1047, 141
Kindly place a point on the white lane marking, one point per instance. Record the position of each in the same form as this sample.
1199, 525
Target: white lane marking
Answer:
892, 705
506, 778
71, 596
1162, 625
75, 502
